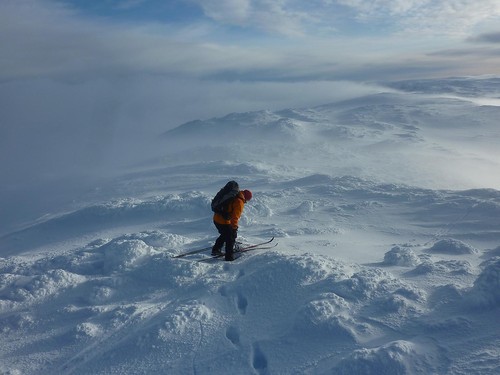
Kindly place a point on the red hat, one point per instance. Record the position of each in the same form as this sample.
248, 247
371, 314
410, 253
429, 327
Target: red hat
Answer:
247, 194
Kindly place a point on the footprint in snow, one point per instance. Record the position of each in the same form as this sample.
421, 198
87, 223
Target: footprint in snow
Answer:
242, 303
233, 335
259, 360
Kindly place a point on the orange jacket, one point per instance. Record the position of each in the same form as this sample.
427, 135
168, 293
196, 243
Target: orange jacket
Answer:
235, 210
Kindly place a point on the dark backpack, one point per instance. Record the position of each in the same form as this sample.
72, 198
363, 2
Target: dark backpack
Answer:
224, 197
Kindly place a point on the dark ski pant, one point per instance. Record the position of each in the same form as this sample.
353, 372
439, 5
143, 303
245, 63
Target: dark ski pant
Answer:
227, 236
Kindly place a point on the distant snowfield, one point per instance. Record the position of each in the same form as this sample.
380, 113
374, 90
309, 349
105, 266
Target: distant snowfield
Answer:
386, 210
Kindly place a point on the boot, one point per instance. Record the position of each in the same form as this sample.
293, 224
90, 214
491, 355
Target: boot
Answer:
216, 252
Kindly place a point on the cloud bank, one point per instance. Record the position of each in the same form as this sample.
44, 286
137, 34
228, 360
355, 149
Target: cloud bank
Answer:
49, 39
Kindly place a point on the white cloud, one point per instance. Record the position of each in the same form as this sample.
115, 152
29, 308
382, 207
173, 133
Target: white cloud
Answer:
296, 17
429, 16
275, 16
44, 39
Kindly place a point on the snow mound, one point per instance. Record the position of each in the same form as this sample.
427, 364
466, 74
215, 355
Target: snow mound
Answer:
452, 246
396, 358
28, 286
259, 124
366, 284
321, 319
493, 253
311, 180
124, 253
486, 289
158, 239
304, 208
401, 256
443, 267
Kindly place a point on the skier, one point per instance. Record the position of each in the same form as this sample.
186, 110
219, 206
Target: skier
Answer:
227, 223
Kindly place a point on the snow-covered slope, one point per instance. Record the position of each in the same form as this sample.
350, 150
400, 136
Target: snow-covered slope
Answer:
382, 266
414, 139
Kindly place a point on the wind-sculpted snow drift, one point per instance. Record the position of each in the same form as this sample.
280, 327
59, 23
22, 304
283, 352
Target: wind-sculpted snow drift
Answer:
371, 276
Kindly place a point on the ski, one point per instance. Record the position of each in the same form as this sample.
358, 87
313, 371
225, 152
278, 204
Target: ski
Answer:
193, 252
258, 246
236, 253
247, 247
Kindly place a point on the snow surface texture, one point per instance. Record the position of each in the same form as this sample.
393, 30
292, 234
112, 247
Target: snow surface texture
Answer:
371, 275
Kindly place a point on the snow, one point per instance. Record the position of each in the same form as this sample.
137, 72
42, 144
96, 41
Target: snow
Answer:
386, 211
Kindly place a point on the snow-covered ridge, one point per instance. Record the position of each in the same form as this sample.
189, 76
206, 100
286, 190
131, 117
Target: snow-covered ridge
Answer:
395, 135
265, 125
376, 114
459, 86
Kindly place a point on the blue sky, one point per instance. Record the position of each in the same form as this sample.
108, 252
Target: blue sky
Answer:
83, 80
